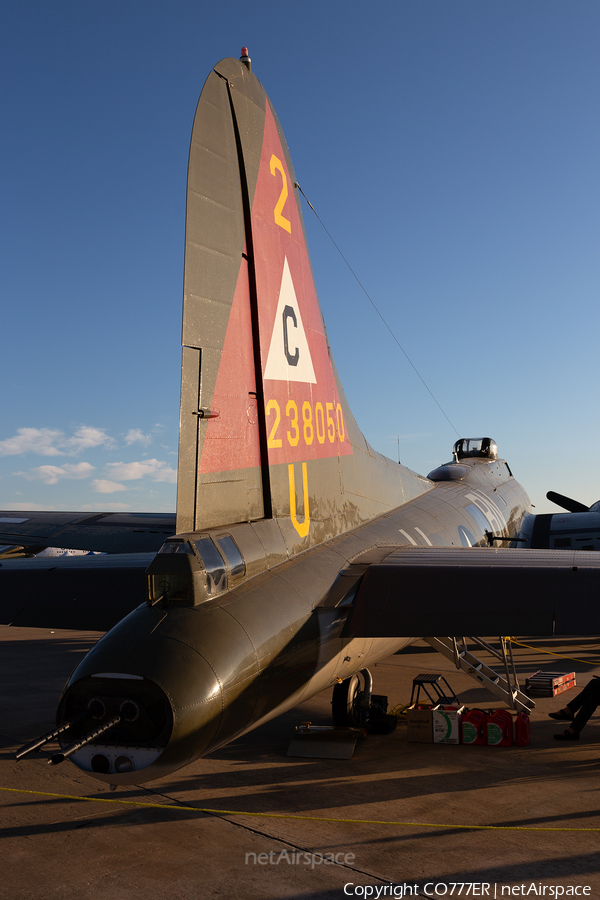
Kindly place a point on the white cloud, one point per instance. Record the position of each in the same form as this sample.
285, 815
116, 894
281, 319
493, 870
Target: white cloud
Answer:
32, 440
85, 437
52, 442
51, 474
156, 469
102, 486
136, 435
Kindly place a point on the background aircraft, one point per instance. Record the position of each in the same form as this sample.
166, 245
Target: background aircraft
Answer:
302, 556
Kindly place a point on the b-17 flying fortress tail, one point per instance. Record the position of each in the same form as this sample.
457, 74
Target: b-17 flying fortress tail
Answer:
266, 432
302, 556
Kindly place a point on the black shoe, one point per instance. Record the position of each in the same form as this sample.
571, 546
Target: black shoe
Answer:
561, 716
567, 736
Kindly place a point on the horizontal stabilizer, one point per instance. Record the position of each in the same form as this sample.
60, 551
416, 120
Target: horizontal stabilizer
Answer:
479, 591
86, 593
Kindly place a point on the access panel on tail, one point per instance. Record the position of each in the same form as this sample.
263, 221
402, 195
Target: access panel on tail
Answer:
265, 429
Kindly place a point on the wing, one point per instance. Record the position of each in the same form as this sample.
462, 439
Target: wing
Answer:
478, 591
90, 593
106, 532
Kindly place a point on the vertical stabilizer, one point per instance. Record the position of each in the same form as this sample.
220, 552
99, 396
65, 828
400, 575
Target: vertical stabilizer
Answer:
266, 431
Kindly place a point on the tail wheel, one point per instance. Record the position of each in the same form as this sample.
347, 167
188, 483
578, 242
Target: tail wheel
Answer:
349, 705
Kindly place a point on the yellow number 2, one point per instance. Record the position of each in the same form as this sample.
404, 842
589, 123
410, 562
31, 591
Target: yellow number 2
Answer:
280, 219
274, 441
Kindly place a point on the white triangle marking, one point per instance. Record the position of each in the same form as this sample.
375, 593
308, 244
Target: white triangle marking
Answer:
289, 357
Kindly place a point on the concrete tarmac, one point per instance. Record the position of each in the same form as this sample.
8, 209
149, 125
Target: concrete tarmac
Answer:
385, 802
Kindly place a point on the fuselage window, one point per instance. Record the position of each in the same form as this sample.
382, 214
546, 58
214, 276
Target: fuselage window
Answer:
234, 557
216, 574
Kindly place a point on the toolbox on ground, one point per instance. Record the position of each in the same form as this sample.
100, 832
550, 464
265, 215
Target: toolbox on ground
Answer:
549, 684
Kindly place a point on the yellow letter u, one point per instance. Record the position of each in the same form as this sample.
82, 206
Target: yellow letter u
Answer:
301, 527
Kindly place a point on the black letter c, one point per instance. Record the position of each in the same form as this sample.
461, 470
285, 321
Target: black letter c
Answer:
288, 313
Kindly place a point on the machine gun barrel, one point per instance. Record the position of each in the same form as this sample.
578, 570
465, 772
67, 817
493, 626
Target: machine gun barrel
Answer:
26, 749
70, 749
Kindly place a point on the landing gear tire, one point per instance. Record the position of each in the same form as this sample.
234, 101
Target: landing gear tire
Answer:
349, 704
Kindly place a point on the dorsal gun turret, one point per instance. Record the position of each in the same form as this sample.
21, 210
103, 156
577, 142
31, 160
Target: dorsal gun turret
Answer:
469, 448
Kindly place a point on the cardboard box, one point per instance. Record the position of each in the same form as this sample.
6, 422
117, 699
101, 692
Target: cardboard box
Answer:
433, 724
446, 724
419, 724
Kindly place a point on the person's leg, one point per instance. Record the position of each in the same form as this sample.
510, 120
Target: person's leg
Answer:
588, 700
577, 702
592, 689
584, 705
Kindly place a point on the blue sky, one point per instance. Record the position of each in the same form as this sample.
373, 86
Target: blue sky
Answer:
451, 148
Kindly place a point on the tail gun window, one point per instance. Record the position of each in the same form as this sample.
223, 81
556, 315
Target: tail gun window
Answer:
234, 557
216, 574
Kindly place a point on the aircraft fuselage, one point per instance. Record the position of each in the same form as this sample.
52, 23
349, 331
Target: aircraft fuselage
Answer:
218, 653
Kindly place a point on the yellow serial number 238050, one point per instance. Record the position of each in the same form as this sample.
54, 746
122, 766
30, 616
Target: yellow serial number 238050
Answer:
323, 426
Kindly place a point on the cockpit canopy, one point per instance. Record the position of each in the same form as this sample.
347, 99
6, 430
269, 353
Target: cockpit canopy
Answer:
470, 448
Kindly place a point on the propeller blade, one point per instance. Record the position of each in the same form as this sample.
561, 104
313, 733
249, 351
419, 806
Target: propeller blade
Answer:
567, 502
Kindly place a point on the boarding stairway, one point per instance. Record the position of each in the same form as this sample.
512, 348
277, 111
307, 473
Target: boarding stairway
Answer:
506, 688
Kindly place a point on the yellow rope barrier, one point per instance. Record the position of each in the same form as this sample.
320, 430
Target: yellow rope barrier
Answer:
265, 815
550, 652
399, 710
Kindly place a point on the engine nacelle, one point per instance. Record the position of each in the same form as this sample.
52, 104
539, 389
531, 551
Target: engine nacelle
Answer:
561, 531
